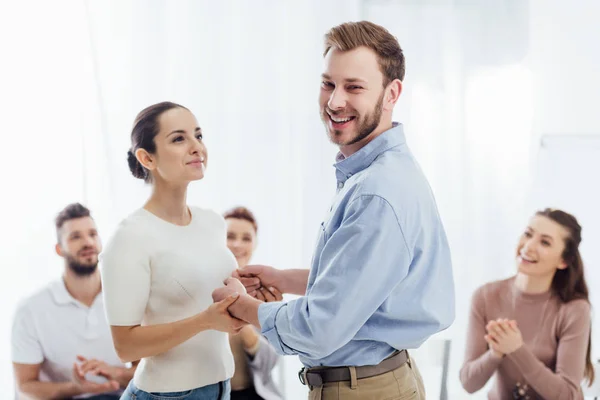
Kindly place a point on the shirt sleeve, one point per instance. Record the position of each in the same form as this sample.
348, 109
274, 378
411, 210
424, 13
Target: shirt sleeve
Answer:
355, 263
126, 278
480, 363
564, 384
25, 345
264, 359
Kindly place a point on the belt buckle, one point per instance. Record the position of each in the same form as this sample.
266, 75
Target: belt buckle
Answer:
302, 376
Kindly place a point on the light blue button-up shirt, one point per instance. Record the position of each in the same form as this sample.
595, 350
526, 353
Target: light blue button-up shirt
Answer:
381, 275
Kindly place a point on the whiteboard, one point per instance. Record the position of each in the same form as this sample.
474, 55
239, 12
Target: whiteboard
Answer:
567, 176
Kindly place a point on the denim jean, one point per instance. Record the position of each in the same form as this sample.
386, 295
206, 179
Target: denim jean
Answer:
217, 391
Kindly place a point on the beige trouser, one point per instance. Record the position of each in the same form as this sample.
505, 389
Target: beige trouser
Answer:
404, 383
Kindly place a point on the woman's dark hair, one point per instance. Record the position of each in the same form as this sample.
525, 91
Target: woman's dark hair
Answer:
569, 283
242, 213
145, 129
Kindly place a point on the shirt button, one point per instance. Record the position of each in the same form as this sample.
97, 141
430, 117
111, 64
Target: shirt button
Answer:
340, 185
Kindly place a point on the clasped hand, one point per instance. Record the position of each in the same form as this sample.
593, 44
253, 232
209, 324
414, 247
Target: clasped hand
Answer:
503, 336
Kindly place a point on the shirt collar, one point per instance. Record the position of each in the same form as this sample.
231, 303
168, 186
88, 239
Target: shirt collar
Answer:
60, 293
62, 296
346, 167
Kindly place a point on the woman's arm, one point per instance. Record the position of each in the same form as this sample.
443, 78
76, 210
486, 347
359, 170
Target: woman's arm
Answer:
564, 384
480, 361
136, 342
264, 359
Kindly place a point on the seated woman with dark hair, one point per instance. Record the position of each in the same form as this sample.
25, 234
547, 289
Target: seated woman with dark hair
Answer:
254, 357
532, 331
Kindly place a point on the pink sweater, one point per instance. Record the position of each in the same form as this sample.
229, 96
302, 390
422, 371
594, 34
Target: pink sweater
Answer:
552, 364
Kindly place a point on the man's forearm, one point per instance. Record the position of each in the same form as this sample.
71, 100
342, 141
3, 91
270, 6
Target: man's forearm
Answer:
246, 309
294, 281
36, 390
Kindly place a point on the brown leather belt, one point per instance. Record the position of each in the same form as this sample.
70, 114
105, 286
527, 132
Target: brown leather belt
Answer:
318, 376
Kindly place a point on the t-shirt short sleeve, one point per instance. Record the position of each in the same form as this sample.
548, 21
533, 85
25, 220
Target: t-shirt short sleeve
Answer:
125, 271
25, 344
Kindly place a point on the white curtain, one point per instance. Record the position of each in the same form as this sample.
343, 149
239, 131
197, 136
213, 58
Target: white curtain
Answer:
250, 73
45, 82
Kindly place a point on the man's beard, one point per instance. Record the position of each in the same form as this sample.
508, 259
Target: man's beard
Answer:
81, 269
366, 127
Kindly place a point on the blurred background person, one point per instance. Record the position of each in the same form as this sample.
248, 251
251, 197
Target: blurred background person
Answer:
533, 330
254, 357
61, 342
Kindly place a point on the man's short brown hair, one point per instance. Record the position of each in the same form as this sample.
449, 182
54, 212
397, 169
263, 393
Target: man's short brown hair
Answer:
72, 211
351, 35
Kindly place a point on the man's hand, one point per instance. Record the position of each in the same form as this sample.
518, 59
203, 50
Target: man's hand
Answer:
254, 277
100, 368
85, 386
268, 294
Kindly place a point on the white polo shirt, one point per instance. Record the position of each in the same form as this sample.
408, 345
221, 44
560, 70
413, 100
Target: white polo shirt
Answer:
51, 328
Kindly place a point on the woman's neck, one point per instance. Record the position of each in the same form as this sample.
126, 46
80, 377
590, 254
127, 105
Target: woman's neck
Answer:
169, 202
533, 284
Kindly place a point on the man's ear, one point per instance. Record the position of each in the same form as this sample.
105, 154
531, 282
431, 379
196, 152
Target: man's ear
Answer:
393, 92
58, 249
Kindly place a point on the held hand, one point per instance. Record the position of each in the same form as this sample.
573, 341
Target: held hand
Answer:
99, 368
493, 347
236, 285
220, 319
268, 294
256, 276
250, 283
222, 293
84, 386
504, 336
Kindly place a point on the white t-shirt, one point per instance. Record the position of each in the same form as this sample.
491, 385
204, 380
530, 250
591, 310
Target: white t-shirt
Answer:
51, 328
155, 272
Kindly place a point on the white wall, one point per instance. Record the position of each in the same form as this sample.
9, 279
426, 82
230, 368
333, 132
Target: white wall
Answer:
565, 60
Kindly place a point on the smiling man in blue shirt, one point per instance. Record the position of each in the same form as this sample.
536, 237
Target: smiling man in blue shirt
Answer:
381, 276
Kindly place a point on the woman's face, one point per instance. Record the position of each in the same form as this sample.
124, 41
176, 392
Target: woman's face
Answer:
541, 246
180, 156
241, 240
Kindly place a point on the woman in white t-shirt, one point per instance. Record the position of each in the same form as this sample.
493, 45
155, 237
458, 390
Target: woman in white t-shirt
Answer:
162, 264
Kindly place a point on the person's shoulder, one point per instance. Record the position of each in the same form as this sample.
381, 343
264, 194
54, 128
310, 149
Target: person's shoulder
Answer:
574, 316
576, 308
139, 219
492, 290
397, 178
207, 216
136, 231
133, 226
36, 302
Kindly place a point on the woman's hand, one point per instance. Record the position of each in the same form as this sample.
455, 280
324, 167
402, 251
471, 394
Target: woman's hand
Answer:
503, 337
232, 286
219, 317
236, 285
